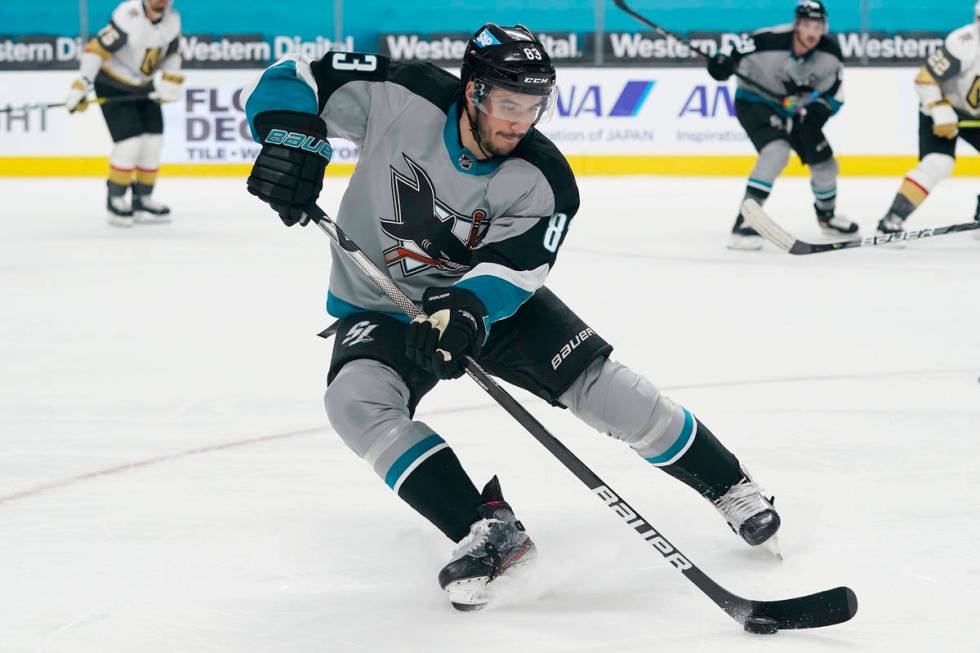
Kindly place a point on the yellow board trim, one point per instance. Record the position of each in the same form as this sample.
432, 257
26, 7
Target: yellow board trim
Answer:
682, 166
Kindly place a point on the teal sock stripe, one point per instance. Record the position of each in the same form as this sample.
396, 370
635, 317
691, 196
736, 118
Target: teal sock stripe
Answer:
761, 185
407, 459
687, 434
825, 194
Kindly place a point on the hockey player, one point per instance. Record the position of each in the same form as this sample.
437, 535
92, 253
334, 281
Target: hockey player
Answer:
141, 39
465, 205
803, 65
949, 91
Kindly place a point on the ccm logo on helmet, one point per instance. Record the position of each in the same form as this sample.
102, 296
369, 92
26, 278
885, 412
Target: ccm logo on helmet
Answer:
535, 80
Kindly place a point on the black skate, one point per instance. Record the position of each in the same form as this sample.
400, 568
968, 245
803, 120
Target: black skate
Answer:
496, 545
119, 211
890, 224
835, 225
749, 512
744, 237
148, 211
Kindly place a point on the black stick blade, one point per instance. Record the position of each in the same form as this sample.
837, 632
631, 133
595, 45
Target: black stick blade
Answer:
814, 611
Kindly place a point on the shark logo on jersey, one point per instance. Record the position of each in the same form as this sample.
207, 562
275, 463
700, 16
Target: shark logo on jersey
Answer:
429, 233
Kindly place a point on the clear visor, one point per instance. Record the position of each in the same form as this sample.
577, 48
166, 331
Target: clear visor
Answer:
513, 107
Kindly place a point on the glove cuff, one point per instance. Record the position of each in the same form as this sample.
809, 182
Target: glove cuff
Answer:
459, 300
309, 124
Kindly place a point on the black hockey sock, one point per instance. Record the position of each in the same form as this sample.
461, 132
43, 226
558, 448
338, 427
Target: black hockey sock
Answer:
752, 193
142, 189
707, 466
440, 491
116, 190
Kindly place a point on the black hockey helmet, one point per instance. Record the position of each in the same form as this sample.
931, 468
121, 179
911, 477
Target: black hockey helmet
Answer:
510, 58
811, 9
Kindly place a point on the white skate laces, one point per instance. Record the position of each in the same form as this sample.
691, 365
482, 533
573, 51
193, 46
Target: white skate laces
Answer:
748, 512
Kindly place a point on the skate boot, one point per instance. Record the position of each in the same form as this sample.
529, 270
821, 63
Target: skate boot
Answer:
119, 210
744, 237
976, 216
890, 225
496, 545
146, 210
749, 512
835, 225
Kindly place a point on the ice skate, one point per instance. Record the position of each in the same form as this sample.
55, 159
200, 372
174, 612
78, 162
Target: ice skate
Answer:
496, 545
146, 210
744, 237
835, 225
750, 513
890, 225
119, 211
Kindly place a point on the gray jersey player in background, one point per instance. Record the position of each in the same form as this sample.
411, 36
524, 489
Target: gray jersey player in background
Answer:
120, 62
801, 64
466, 205
948, 86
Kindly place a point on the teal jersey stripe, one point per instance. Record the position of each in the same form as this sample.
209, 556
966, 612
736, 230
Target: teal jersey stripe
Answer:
341, 309
687, 433
406, 459
500, 297
279, 89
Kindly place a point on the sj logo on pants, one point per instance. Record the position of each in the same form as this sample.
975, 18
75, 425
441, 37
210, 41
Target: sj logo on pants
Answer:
359, 333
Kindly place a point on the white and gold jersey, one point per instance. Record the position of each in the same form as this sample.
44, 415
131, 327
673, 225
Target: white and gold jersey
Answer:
133, 48
955, 69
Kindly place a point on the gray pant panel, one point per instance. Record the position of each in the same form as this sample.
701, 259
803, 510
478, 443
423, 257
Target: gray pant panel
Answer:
367, 404
614, 399
771, 162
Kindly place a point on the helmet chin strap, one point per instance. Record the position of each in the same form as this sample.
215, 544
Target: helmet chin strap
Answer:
472, 119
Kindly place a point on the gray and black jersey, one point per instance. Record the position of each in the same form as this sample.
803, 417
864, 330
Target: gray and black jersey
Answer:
768, 58
419, 204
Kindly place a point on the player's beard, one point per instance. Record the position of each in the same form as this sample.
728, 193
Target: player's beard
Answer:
491, 145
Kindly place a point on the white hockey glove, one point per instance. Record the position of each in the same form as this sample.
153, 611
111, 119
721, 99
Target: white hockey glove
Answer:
167, 88
944, 121
77, 100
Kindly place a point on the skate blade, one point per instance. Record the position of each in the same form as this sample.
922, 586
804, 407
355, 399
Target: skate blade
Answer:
772, 546
119, 221
143, 217
834, 233
745, 243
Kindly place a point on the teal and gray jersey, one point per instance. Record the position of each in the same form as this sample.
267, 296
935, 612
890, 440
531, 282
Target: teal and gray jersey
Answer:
420, 205
768, 58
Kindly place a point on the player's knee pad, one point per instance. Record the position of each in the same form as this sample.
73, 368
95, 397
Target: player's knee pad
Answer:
149, 155
367, 404
614, 399
932, 169
125, 153
773, 158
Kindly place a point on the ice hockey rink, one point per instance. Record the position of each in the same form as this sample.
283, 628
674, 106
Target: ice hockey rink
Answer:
169, 482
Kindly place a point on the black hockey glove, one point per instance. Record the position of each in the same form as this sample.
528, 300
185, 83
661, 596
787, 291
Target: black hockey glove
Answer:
721, 66
288, 173
815, 115
455, 328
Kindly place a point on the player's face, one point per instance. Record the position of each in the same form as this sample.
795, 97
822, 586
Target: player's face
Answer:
506, 118
157, 6
808, 32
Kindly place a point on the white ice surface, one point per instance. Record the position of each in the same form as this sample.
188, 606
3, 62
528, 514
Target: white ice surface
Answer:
168, 480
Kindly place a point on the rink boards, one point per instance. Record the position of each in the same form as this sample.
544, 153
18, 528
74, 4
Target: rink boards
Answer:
608, 121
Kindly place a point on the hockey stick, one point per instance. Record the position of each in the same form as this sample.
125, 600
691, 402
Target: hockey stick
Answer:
967, 124
812, 611
784, 240
665, 32
99, 100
